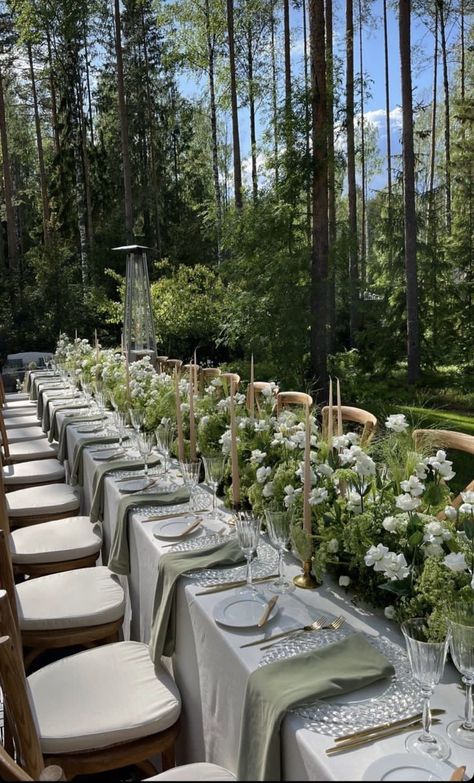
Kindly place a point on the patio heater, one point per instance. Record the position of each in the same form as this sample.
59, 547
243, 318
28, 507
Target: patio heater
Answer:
138, 329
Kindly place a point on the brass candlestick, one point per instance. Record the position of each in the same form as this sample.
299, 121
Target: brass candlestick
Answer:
306, 580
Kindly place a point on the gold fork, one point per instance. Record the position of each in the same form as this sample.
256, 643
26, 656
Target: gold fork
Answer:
332, 626
315, 626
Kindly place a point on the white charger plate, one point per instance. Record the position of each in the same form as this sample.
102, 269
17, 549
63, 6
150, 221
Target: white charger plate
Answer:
242, 611
407, 766
107, 453
136, 484
90, 428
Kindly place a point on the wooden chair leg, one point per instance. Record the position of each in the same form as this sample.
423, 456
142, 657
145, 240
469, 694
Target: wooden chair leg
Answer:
168, 759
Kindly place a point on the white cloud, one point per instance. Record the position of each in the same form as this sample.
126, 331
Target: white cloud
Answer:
377, 117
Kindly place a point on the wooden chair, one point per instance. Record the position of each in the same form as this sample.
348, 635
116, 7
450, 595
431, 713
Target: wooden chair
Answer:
200, 770
284, 399
355, 415
82, 607
171, 364
229, 379
25, 450
161, 362
258, 388
97, 710
446, 439
207, 375
11, 771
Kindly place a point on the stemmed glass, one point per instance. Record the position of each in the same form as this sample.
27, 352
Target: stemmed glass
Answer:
427, 664
278, 526
190, 470
461, 645
213, 471
248, 532
137, 418
164, 439
145, 443
120, 423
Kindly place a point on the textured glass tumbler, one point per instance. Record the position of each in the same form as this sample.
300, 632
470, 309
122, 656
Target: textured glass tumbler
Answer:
427, 661
461, 645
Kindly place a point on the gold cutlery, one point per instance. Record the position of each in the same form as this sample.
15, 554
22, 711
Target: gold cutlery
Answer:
375, 736
389, 725
159, 517
185, 532
217, 588
141, 489
316, 625
458, 773
267, 611
331, 626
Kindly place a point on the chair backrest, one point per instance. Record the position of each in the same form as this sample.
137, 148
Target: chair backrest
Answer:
2, 391
355, 415
446, 439
19, 715
4, 521
10, 770
4, 436
258, 387
171, 364
231, 379
207, 375
161, 362
7, 580
292, 398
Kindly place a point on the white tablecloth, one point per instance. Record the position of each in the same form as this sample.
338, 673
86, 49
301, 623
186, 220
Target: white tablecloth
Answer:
211, 670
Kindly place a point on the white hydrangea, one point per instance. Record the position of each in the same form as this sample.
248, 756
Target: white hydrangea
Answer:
344, 581
318, 496
263, 473
257, 456
267, 491
450, 513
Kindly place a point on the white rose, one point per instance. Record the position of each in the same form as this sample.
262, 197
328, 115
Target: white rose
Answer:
455, 561
262, 474
407, 502
413, 486
396, 422
450, 512
389, 612
433, 549
318, 495
396, 567
257, 456
375, 554
468, 496
267, 491
466, 508
344, 581
390, 524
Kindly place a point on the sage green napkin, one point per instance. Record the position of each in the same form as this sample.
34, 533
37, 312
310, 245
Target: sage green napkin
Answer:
341, 667
172, 566
62, 448
54, 432
53, 389
30, 382
101, 471
63, 401
119, 558
77, 472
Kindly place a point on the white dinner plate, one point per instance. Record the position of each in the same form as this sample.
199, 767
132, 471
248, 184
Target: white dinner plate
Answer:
176, 528
407, 766
90, 428
107, 453
242, 611
136, 484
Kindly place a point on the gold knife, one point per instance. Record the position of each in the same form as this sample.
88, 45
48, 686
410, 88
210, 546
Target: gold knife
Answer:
159, 517
230, 585
377, 735
458, 773
268, 609
389, 725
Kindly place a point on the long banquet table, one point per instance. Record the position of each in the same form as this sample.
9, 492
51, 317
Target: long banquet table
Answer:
211, 670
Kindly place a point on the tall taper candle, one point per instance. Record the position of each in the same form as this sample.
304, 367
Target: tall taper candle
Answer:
75, 334
330, 416
234, 455
192, 422
307, 474
127, 378
339, 408
179, 417
96, 356
252, 389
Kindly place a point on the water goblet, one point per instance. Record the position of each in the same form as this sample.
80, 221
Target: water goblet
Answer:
427, 664
248, 532
214, 470
461, 645
164, 439
145, 443
190, 470
279, 526
120, 423
137, 418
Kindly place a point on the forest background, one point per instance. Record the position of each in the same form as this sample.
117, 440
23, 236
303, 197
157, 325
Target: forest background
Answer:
322, 251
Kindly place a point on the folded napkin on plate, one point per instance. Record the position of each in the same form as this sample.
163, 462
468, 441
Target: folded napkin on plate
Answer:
341, 667
101, 471
119, 558
62, 448
54, 393
55, 430
61, 403
31, 382
172, 566
77, 472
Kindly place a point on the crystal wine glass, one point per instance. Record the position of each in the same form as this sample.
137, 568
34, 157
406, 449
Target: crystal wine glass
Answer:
278, 526
120, 423
427, 664
248, 532
190, 470
145, 443
461, 645
164, 439
214, 470
137, 418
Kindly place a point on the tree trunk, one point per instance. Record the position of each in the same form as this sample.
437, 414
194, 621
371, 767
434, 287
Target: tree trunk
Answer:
274, 95
54, 108
447, 129
363, 211
253, 132
306, 119
39, 147
287, 51
215, 157
8, 186
463, 55
413, 336
332, 225
127, 180
235, 114
431, 221
319, 261
389, 135
351, 177
153, 167
88, 85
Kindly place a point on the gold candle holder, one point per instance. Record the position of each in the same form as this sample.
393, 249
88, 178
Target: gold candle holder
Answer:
306, 580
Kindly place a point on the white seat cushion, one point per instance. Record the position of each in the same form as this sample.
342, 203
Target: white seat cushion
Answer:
200, 771
51, 498
32, 449
34, 472
16, 396
52, 542
21, 421
11, 405
102, 697
70, 599
20, 434
16, 413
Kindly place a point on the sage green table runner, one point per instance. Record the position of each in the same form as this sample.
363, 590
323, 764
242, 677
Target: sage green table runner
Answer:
62, 448
172, 566
119, 558
341, 667
101, 471
54, 431
77, 472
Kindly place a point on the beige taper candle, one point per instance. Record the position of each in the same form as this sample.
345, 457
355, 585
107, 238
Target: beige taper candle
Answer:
307, 474
252, 389
330, 416
234, 455
192, 422
339, 408
179, 417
